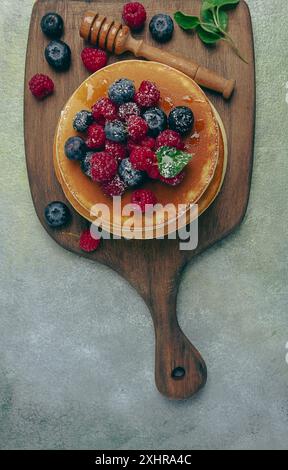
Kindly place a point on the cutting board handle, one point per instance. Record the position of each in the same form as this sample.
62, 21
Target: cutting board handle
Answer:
180, 371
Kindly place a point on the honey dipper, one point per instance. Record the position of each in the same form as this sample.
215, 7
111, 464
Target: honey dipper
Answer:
109, 34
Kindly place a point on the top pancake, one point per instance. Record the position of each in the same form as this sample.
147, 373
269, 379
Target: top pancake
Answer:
176, 90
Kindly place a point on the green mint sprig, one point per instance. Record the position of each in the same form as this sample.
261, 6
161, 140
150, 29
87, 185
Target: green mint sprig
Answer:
212, 24
172, 161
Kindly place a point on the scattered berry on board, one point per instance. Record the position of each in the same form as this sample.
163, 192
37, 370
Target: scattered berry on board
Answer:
58, 55
134, 15
144, 198
116, 131
130, 175
103, 167
41, 86
88, 242
156, 120
75, 148
57, 214
94, 59
181, 119
96, 137
148, 95
161, 27
82, 121
52, 25
122, 91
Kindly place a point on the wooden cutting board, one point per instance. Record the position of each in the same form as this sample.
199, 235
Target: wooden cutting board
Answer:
153, 267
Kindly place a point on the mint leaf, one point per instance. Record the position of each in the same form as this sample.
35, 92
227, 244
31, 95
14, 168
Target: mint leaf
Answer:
186, 21
207, 18
223, 3
172, 161
207, 37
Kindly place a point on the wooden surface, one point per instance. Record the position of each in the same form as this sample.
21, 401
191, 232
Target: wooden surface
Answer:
152, 267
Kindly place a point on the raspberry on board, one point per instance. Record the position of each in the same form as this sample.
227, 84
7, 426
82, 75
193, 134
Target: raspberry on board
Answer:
134, 15
41, 86
94, 59
88, 242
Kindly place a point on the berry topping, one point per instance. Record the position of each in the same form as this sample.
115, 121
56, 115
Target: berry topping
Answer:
116, 131
181, 119
148, 95
96, 137
88, 242
82, 121
156, 120
86, 163
94, 59
127, 110
144, 198
142, 158
121, 91
129, 175
161, 27
58, 55
52, 25
103, 167
115, 187
41, 86
104, 110
116, 149
137, 128
173, 181
57, 214
148, 142
134, 15
75, 148
170, 138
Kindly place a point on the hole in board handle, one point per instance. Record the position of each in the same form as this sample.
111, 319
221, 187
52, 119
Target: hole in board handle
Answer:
178, 373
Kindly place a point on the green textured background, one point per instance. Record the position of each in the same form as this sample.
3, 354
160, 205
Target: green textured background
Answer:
77, 346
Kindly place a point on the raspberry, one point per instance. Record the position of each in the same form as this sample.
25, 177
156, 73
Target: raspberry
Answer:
137, 128
131, 145
173, 181
153, 171
41, 86
103, 167
116, 149
148, 142
96, 137
148, 95
142, 158
134, 15
127, 110
94, 59
104, 110
115, 187
170, 138
87, 242
142, 198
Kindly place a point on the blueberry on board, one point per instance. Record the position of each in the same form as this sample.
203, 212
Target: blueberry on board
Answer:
57, 214
116, 131
122, 91
181, 119
82, 121
52, 25
75, 148
58, 55
156, 120
161, 27
129, 175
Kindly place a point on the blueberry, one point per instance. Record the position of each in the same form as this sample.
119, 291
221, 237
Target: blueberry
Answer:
129, 175
116, 131
122, 91
57, 214
181, 119
82, 121
161, 27
58, 55
75, 148
52, 25
86, 163
156, 120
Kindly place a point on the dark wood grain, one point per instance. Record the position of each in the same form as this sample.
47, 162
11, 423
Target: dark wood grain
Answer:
152, 267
